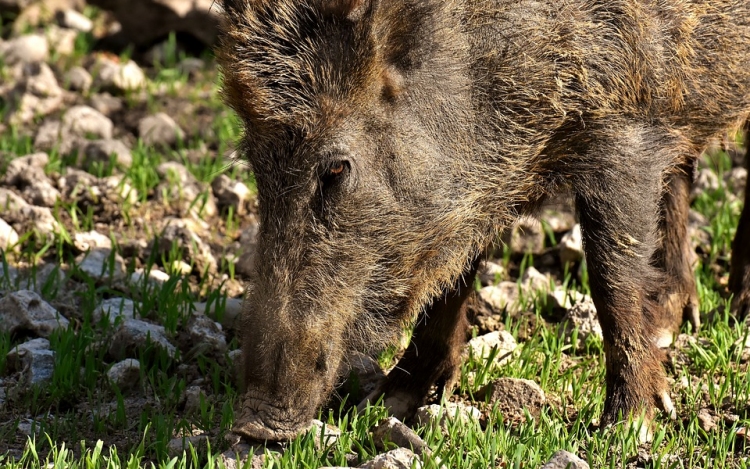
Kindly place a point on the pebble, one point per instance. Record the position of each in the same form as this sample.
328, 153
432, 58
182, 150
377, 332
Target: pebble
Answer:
526, 236
583, 317
34, 360
132, 336
74, 20
565, 460
436, 414
113, 308
177, 446
392, 430
103, 150
159, 130
571, 246
482, 346
513, 395
499, 297
25, 49
8, 235
492, 273
125, 374
86, 122
399, 458
205, 336
26, 311
102, 263
230, 193
78, 79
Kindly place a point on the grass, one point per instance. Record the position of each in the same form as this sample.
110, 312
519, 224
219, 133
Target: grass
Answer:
81, 421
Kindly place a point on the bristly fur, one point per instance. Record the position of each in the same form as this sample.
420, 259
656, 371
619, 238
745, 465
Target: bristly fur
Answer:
453, 118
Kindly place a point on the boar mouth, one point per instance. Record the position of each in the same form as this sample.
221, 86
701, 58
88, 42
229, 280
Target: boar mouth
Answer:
261, 420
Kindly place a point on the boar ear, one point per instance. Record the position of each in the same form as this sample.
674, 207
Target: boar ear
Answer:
352, 10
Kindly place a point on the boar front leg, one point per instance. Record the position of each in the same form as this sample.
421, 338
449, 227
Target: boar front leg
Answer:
739, 274
433, 356
617, 198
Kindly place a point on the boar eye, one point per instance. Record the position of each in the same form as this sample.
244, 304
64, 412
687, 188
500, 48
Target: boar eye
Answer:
334, 172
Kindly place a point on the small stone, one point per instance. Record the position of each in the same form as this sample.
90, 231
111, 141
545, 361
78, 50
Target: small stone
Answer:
232, 308
325, 435
48, 136
10, 201
154, 276
103, 150
159, 130
78, 79
179, 187
706, 180
42, 193
29, 427
192, 246
26, 311
71, 19
86, 122
583, 317
230, 193
113, 308
25, 49
102, 263
129, 77
706, 420
534, 281
565, 460
439, 415
191, 66
736, 179
26, 169
559, 221
571, 246
512, 396
133, 336
205, 336
482, 346
85, 241
34, 360
61, 40
177, 446
392, 430
106, 103
126, 374
193, 396
492, 273
37, 94
526, 236
499, 297
8, 236
400, 458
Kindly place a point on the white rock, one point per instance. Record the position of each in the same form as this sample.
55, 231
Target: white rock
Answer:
114, 308
571, 246
492, 273
78, 79
325, 435
25, 310
436, 414
400, 458
25, 49
534, 281
206, 334
84, 121
482, 346
103, 150
129, 77
34, 360
159, 129
133, 335
8, 236
42, 193
582, 316
228, 318
102, 263
497, 298
565, 460
392, 430
125, 374
177, 446
513, 396
73, 20
230, 193
84, 241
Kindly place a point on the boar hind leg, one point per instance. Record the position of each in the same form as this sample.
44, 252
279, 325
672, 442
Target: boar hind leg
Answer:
674, 255
739, 274
434, 354
618, 202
